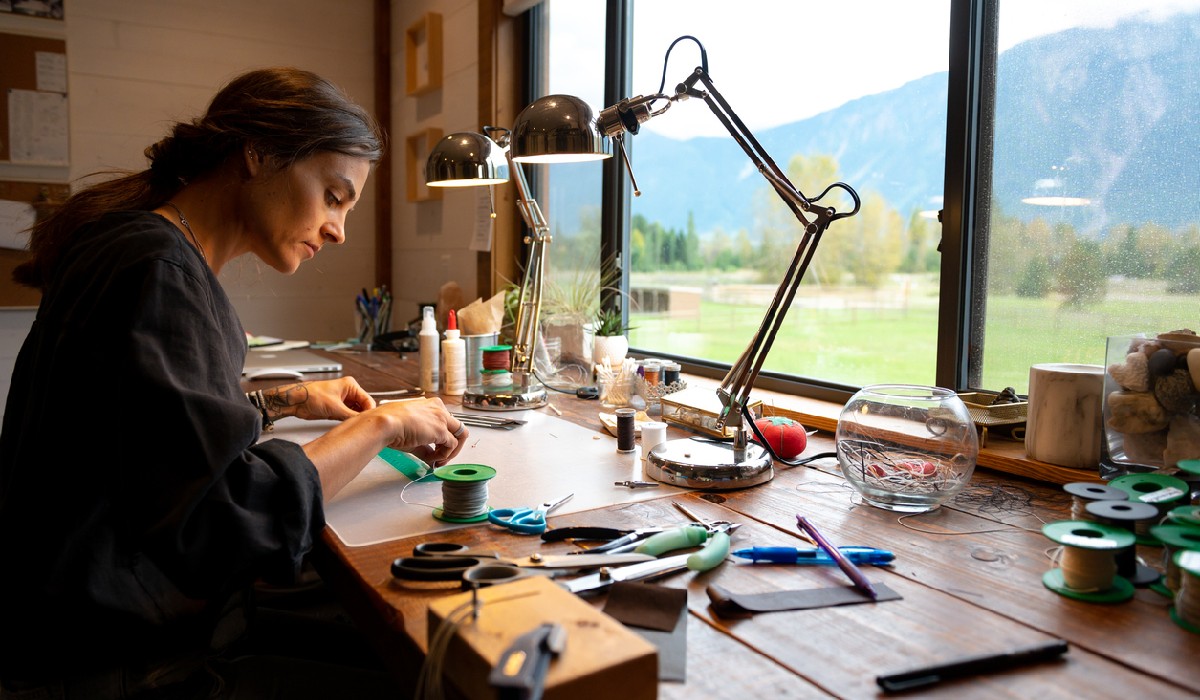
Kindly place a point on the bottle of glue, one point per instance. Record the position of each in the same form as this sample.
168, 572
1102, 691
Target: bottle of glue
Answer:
428, 351
454, 355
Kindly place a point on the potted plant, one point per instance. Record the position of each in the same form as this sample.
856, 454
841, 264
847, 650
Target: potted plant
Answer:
609, 344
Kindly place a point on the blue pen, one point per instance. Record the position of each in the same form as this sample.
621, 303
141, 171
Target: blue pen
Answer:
815, 557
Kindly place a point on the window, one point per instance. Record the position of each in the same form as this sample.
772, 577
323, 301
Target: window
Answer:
1067, 178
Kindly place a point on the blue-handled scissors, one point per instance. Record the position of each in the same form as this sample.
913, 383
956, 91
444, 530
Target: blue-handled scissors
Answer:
527, 521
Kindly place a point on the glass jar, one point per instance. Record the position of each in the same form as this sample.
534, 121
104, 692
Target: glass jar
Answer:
906, 448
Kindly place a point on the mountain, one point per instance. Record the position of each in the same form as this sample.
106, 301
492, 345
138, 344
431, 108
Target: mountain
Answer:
1119, 108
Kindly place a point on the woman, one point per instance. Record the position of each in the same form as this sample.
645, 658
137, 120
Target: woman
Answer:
136, 500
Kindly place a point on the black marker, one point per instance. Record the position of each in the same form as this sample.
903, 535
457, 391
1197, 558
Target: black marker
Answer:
970, 666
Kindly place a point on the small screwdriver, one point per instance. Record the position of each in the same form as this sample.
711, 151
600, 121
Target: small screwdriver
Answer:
636, 484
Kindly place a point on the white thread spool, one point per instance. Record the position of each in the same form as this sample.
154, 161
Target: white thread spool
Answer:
653, 432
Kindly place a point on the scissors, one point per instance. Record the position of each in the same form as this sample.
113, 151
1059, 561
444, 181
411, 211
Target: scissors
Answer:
447, 561
527, 521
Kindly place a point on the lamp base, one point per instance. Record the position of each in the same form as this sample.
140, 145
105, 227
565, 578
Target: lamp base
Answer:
704, 464
525, 392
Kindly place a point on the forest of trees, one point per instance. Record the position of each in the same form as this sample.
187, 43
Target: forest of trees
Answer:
1031, 259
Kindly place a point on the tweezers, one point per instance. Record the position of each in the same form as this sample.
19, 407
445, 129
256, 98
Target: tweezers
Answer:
479, 421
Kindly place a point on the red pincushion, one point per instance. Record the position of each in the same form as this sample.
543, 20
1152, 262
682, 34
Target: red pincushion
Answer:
786, 437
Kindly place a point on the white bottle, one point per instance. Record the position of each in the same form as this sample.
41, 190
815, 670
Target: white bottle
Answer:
428, 338
454, 355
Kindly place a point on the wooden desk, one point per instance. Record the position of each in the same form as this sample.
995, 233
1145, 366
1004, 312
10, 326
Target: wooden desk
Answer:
969, 573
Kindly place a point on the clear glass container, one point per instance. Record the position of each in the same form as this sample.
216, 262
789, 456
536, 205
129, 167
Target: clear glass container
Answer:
905, 447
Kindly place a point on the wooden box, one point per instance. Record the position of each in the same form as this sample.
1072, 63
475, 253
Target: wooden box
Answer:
602, 659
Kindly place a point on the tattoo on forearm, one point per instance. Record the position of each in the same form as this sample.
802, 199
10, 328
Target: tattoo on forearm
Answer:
282, 397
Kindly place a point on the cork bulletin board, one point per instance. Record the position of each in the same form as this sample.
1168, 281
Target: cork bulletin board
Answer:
33, 80
41, 197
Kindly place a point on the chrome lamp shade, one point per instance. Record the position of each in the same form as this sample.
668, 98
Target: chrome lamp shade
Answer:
558, 129
466, 159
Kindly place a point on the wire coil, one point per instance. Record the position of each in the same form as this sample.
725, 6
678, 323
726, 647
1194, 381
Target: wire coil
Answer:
464, 492
1086, 565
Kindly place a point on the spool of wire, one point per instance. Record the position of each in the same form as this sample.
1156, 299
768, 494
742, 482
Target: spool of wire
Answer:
496, 378
1087, 567
1174, 538
1129, 515
626, 437
1186, 611
464, 492
1184, 515
497, 357
1162, 491
1086, 492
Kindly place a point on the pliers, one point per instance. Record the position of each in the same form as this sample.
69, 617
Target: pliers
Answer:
626, 539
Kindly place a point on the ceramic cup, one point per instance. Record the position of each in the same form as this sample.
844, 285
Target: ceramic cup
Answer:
1065, 421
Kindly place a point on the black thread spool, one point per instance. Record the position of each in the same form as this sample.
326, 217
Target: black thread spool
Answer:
1084, 493
1127, 514
626, 439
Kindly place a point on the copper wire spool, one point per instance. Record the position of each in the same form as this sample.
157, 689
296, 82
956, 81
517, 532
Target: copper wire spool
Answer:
497, 357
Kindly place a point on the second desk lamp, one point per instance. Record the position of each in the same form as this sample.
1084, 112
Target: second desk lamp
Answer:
739, 463
555, 129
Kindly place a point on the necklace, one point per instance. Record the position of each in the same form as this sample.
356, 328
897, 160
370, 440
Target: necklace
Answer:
191, 233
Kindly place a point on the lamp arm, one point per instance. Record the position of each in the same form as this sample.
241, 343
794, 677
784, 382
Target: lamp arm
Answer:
735, 388
530, 303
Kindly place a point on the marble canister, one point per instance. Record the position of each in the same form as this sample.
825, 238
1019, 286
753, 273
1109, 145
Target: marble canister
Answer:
1065, 422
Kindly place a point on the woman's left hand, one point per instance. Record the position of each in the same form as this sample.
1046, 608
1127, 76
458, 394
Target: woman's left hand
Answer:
327, 399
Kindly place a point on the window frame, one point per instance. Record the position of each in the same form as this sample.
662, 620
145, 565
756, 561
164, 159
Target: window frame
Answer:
971, 83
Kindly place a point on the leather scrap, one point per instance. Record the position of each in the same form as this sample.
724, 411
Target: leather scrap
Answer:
729, 604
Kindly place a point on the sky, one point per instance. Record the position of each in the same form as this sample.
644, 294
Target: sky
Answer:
812, 56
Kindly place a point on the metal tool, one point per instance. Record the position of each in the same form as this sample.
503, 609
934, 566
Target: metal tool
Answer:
527, 521
636, 484
446, 561
711, 525
476, 420
618, 540
520, 672
708, 557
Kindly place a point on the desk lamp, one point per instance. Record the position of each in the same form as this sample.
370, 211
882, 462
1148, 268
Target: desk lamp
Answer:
560, 128
739, 463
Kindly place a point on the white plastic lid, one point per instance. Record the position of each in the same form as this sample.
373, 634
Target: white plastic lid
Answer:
428, 322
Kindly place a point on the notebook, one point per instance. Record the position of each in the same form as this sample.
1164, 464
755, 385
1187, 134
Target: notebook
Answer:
295, 360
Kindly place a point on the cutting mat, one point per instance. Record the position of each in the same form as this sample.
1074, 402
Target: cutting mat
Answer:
543, 460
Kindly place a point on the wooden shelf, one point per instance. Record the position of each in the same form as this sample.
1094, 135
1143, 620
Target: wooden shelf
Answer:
416, 151
423, 55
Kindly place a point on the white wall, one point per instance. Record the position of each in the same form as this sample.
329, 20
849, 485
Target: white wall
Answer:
135, 66
432, 238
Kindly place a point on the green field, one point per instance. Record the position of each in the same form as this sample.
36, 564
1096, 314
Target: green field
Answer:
891, 335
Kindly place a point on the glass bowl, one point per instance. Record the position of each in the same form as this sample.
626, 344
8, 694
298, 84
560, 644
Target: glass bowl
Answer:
905, 447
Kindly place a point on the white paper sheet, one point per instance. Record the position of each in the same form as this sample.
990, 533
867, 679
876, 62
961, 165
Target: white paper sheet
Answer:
15, 220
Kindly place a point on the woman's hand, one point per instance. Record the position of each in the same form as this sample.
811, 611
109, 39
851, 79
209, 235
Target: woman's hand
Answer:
328, 399
426, 429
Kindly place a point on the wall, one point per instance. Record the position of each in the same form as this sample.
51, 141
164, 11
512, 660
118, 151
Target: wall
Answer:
432, 238
134, 66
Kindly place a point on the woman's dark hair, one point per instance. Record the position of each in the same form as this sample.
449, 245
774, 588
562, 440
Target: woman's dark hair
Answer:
285, 114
